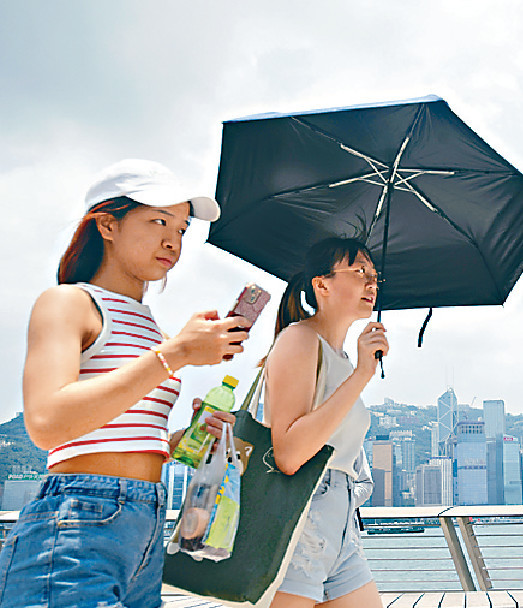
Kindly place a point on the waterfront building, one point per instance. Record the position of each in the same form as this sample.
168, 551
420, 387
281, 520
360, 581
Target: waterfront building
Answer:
494, 417
470, 464
495, 471
447, 418
19, 489
434, 438
404, 449
447, 489
428, 485
512, 491
383, 472
176, 477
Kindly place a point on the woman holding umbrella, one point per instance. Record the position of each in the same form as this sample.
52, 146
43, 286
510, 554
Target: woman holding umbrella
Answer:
340, 284
99, 384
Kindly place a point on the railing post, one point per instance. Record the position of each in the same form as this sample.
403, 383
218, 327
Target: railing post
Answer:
474, 552
456, 552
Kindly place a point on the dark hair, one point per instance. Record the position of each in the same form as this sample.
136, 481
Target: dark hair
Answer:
319, 261
83, 256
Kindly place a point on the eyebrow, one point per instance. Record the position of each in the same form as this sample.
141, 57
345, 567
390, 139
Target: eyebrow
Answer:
164, 212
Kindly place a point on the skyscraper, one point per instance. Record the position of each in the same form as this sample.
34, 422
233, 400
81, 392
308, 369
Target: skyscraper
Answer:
470, 464
447, 491
495, 471
428, 485
176, 477
511, 471
447, 418
382, 472
494, 417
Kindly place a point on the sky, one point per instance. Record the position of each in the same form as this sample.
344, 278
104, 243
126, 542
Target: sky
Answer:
86, 83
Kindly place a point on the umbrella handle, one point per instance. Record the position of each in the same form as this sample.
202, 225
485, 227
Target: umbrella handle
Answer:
379, 353
379, 356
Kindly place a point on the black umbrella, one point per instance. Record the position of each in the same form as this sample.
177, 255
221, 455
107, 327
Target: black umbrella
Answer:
443, 211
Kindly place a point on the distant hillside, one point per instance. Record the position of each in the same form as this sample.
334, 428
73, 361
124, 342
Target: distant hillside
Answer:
20, 451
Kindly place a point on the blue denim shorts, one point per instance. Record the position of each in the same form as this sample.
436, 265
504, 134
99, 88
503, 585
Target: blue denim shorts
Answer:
328, 561
86, 541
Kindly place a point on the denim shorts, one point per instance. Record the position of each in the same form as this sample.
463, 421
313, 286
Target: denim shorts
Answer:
86, 541
328, 561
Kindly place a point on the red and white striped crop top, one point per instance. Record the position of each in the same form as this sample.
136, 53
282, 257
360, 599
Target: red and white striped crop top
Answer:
128, 331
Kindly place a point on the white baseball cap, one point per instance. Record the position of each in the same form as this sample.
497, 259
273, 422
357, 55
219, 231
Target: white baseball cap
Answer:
149, 183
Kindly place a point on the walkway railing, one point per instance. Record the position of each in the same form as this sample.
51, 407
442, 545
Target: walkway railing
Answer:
432, 549
445, 549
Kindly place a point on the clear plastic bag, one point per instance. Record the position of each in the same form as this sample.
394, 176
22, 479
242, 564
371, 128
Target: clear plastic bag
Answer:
212, 506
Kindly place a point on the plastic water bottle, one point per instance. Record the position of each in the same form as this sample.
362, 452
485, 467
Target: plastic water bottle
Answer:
195, 440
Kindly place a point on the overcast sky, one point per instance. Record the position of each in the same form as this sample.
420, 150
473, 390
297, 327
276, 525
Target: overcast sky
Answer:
85, 83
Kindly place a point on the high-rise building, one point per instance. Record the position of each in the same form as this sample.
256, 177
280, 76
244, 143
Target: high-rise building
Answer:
470, 464
404, 449
447, 418
512, 491
494, 417
382, 472
495, 471
434, 438
176, 477
428, 485
447, 489
19, 489
434, 482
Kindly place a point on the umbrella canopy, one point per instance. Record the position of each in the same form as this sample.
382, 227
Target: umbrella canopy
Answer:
441, 203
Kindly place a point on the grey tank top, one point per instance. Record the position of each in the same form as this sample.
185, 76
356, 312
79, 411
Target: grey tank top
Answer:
348, 437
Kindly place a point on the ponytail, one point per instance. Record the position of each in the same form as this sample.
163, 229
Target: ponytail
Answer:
84, 255
291, 309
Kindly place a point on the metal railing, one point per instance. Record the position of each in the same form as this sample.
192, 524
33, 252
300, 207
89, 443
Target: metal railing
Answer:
426, 549
458, 548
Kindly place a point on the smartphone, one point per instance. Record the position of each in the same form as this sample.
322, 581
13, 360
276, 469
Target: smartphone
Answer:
249, 304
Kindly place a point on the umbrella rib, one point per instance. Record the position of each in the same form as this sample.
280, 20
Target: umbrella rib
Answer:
371, 161
419, 172
435, 209
392, 174
365, 177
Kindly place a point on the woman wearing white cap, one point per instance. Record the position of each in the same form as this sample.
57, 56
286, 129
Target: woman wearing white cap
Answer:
99, 383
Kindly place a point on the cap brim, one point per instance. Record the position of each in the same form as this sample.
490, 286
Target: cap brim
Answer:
202, 207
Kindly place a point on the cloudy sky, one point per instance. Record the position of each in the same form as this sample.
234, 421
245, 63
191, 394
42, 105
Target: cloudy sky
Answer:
85, 83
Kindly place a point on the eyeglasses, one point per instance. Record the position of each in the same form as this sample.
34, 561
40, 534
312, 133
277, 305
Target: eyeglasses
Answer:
371, 278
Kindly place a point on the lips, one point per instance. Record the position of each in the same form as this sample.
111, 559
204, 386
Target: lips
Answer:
167, 262
368, 300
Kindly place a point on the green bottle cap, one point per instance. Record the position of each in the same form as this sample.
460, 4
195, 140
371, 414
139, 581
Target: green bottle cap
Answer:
230, 381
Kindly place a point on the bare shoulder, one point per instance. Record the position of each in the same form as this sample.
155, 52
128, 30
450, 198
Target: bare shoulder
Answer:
298, 341
63, 299
64, 305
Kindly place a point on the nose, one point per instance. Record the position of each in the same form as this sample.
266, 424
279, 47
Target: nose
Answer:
172, 242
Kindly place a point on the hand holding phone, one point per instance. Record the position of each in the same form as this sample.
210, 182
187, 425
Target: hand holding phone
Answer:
249, 304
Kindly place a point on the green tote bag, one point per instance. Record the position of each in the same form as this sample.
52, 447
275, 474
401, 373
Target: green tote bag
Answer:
273, 509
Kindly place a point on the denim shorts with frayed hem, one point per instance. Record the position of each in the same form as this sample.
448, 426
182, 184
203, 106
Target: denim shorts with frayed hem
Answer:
86, 541
328, 561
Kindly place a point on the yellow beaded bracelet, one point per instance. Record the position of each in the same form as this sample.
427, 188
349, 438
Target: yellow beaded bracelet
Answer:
163, 361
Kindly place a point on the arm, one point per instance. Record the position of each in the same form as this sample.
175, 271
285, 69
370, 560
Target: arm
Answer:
297, 432
58, 407
363, 484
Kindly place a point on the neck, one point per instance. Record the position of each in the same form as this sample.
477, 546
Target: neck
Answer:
331, 327
119, 283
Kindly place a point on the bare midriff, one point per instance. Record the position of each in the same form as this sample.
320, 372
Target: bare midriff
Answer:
135, 465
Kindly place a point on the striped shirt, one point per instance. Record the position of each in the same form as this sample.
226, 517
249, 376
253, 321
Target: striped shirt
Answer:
128, 330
